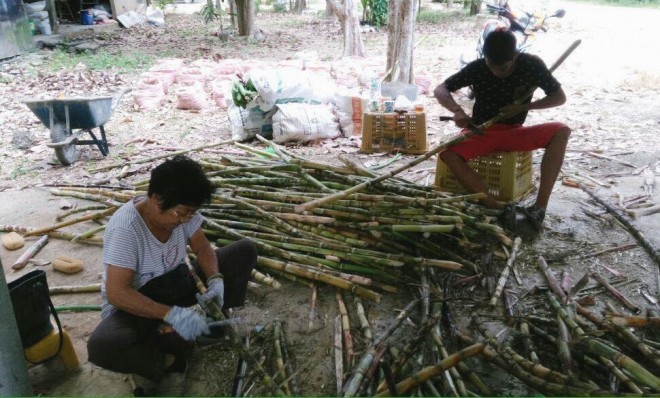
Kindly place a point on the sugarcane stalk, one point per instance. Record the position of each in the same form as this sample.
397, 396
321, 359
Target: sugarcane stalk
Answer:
279, 360
339, 355
312, 307
89, 233
297, 270
265, 279
638, 373
410, 349
75, 210
625, 335
552, 281
92, 216
92, 288
167, 155
288, 363
563, 349
454, 378
241, 372
634, 321
234, 338
505, 272
313, 181
610, 250
100, 194
527, 341
617, 294
52, 234
432, 371
365, 328
361, 369
565, 280
23, 259
346, 330
83, 194
570, 322
622, 377
543, 379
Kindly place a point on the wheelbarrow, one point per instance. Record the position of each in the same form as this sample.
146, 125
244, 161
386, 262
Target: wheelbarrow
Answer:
62, 116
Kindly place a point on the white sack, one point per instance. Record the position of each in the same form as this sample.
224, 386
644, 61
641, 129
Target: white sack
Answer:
304, 122
247, 123
350, 106
281, 86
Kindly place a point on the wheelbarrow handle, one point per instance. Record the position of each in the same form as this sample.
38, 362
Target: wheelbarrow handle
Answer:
117, 97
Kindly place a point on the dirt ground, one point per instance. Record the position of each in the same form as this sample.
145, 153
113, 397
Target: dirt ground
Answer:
613, 86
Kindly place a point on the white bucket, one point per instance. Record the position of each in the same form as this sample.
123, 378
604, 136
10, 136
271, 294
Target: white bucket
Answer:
44, 26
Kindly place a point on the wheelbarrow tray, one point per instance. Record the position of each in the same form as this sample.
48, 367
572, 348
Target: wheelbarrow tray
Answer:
84, 113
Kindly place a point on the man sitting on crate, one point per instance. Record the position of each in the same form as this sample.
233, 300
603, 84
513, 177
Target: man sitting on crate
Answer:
497, 80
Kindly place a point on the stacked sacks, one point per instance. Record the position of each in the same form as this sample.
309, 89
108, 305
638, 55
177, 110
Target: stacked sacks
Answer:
151, 95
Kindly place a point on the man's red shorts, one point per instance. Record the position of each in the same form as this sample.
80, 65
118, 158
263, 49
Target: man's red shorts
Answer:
507, 138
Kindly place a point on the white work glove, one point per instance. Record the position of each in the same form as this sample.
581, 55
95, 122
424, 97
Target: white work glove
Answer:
187, 322
214, 292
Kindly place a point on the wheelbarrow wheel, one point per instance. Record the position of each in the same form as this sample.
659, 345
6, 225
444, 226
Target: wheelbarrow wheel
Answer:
66, 154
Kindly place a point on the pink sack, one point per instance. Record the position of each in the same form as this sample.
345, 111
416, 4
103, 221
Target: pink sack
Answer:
148, 99
166, 78
151, 83
191, 96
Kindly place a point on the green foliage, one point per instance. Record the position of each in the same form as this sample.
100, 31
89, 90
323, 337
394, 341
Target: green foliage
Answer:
121, 63
164, 3
427, 16
209, 12
376, 12
279, 7
624, 3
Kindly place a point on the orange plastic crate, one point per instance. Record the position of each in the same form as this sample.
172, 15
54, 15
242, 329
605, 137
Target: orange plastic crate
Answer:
389, 132
507, 175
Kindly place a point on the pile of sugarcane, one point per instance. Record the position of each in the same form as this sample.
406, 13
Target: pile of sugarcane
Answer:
397, 235
366, 244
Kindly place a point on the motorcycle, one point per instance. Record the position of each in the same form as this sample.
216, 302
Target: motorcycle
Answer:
522, 23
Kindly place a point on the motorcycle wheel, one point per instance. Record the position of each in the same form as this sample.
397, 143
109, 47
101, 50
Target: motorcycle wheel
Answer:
66, 154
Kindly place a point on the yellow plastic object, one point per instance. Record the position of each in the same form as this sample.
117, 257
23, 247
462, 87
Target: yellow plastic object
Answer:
391, 132
507, 175
48, 346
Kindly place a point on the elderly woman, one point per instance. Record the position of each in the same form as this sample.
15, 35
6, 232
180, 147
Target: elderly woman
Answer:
147, 285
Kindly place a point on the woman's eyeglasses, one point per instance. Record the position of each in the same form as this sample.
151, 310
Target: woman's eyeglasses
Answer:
184, 217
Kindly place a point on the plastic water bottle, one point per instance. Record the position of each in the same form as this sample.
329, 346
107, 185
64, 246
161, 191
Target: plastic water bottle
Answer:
374, 87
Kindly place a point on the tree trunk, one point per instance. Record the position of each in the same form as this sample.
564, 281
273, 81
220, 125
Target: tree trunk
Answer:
328, 10
233, 14
475, 5
300, 6
245, 13
347, 13
400, 39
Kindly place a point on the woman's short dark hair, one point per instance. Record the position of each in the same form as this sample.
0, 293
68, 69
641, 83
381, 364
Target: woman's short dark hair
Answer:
180, 181
500, 47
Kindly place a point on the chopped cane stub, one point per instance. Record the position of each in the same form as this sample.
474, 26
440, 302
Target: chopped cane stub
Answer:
12, 241
67, 265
